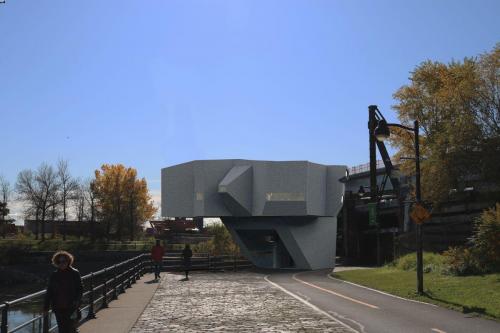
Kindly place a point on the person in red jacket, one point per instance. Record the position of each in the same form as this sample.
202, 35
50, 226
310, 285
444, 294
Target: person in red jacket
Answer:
157, 253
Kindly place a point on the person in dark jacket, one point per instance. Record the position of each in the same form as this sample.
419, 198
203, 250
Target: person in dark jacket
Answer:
64, 293
186, 257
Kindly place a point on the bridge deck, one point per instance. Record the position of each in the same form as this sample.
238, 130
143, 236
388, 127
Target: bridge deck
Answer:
123, 312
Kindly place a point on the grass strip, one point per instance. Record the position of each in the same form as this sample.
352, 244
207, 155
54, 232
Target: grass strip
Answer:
468, 294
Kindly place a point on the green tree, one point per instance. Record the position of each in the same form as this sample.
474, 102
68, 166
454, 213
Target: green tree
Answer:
222, 242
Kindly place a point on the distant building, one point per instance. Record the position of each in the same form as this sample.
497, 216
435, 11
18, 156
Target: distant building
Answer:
450, 225
75, 228
179, 230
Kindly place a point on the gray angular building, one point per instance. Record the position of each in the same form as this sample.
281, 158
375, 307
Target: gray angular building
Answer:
281, 214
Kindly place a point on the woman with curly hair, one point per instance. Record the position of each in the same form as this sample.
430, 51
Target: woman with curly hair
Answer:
64, 292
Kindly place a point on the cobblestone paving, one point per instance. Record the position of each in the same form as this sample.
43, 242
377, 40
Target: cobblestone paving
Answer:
228, 302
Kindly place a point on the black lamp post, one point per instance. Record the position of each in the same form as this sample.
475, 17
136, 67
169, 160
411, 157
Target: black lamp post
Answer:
382, 133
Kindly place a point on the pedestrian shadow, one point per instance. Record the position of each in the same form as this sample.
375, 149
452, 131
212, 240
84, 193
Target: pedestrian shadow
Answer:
183, 280
152, 281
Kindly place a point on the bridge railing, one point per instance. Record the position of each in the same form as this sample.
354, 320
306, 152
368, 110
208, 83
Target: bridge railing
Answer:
205, 261
104, 286
100, 288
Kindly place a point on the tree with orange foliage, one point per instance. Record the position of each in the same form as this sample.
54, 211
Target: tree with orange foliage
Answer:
123, 200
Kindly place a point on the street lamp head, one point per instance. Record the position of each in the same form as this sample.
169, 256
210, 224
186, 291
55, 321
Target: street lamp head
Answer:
382, 131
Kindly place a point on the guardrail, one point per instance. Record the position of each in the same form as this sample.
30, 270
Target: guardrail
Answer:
100, 288
105, 285
205, 261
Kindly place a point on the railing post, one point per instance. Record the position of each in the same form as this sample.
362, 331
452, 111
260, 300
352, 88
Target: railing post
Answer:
127, 275
138, 270
46, 322
132, 272
105, 290
122, 281
5, 318
91, 314
115, 282
209, 262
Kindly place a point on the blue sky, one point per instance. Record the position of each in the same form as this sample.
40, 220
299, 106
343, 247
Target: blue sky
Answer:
155, 83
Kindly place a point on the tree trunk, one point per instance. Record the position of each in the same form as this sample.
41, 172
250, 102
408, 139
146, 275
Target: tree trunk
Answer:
92, 225
37, 215
131, 222
43, 225
64, 219
108, 228
53, 222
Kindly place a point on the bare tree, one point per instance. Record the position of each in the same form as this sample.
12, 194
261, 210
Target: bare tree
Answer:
5, 189
68, 188
90, 197
5, 192
80, 202
39, 190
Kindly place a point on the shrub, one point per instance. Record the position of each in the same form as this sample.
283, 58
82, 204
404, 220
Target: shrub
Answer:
433, 262
204, 247
222, 242
483, 254
460, 261
486, 239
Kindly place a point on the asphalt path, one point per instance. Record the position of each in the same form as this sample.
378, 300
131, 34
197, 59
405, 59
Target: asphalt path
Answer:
370, 311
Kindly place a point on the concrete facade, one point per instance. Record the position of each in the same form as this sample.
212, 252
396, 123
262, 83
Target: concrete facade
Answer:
281, 214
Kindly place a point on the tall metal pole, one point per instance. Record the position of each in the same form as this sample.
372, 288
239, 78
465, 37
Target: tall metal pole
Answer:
418, 198
372, 123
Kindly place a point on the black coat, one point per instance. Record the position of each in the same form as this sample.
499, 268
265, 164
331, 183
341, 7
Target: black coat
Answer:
186, 256
70, 297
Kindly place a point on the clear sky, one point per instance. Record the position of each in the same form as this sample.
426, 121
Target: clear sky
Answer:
155, 83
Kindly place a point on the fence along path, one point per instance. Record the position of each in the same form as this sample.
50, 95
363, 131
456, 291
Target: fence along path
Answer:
104, 286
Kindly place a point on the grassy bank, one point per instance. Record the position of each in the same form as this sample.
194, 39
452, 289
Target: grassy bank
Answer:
468, 294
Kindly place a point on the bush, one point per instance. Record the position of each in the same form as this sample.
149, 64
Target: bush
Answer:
433, 262
483, 254
486, 239
460, 261
221, 244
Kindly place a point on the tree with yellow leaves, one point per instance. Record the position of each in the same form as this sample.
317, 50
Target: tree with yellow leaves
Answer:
123, 200
458, 108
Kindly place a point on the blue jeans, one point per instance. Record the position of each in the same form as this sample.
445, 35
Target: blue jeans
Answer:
157, 268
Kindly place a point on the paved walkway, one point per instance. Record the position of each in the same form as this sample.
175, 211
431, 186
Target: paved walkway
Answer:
228, 302
123, 312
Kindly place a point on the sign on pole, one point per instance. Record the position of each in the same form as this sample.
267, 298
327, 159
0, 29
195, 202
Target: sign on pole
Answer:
419, 214
372, 213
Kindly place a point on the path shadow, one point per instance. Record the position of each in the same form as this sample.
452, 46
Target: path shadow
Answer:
470, 310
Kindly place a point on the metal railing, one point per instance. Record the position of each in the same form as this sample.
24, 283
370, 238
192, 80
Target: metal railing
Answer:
205, 261
104, 286
100, 288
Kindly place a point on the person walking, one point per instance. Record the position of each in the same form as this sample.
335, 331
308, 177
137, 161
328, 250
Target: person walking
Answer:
186, 258
64, 293
157, 253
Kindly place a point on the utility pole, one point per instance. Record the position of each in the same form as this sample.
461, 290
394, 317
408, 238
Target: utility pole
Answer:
418, 198
372, 124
